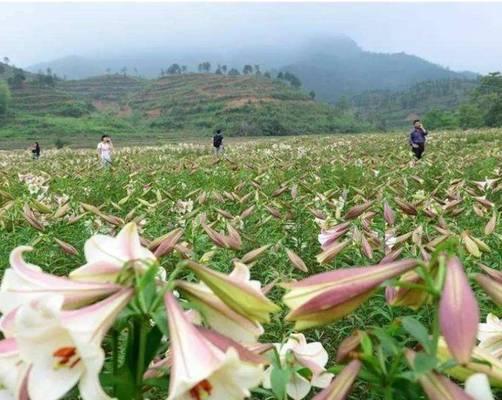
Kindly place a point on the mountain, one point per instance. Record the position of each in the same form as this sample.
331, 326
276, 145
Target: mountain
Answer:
331, 66
338, 67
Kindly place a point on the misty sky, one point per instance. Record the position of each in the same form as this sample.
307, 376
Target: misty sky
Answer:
462, 36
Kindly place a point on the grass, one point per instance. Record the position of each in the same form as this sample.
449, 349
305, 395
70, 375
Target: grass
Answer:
323, 168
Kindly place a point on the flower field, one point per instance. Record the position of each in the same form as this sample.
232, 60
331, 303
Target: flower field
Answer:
330, 267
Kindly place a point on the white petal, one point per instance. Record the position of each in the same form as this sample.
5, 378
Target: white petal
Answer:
298, 387
478, 387
47, 383
322, 380
90, 388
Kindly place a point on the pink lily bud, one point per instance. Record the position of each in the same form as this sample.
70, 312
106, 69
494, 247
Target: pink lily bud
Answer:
328, 296
341, 386
458, 312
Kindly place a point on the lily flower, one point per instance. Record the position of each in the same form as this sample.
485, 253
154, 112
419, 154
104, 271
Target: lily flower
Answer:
492, 285
329, 296
410, 297
237, 291
481, 361
201, 370
108, 256
24, 282
437, 386
218, 315
327, 237
306, 355
342, 384
478, 387
12, 372
64, 347
490, 336
458, 312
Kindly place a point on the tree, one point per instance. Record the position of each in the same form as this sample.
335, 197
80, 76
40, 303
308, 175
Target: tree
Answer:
280, 75
312, 94
257, 70
4, 98
267, 75
470, 116
183, 69
2, 69
436, 119
292, 79
224, 69
205, 67
218, 70
123, 70
17, 80
6, 60
248, 69
233, 72
174, 69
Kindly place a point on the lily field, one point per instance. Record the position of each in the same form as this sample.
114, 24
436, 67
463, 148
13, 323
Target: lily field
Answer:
325, 267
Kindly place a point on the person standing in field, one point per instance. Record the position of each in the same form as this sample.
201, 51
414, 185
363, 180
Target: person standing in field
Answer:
35, 151
218, 146
417, 139
105, 150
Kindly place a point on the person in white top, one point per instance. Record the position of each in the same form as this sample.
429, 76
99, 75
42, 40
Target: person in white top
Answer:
105, 150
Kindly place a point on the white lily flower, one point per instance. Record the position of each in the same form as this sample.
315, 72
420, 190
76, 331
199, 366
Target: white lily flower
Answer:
307, 355
12, 372
107, 256
201, 370
490, 336
25, 282
64, 347
478, 387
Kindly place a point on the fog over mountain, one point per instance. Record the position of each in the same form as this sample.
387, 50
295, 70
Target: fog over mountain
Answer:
461, 36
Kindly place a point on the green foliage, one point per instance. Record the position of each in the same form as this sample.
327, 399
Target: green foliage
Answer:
4, 98
436, 119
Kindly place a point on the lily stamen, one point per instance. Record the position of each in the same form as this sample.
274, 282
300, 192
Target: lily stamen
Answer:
202, 390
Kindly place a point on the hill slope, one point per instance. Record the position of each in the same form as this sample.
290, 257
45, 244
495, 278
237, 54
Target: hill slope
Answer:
188, 104
388, 109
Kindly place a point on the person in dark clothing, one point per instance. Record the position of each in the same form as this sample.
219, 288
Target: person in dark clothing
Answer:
35, 151
417, 139
218, 146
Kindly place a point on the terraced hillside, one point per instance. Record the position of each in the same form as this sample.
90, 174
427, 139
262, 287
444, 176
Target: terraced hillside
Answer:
105, 88
189, 105
245, 105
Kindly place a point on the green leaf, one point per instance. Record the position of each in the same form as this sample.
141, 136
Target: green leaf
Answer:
279, 378
366, 344
418, 331
153, 341
389, 345
424, 363
160, 318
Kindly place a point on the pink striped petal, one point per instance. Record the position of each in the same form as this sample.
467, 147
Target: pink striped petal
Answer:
458, 312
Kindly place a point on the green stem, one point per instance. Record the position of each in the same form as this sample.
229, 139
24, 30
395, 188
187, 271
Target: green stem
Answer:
140, 366
435, 330
115, 357
388, 393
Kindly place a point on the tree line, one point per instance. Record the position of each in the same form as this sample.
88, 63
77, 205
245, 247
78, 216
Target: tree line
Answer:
483, 108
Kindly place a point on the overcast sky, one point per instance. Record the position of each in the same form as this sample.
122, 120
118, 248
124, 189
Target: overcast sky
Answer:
462, 36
